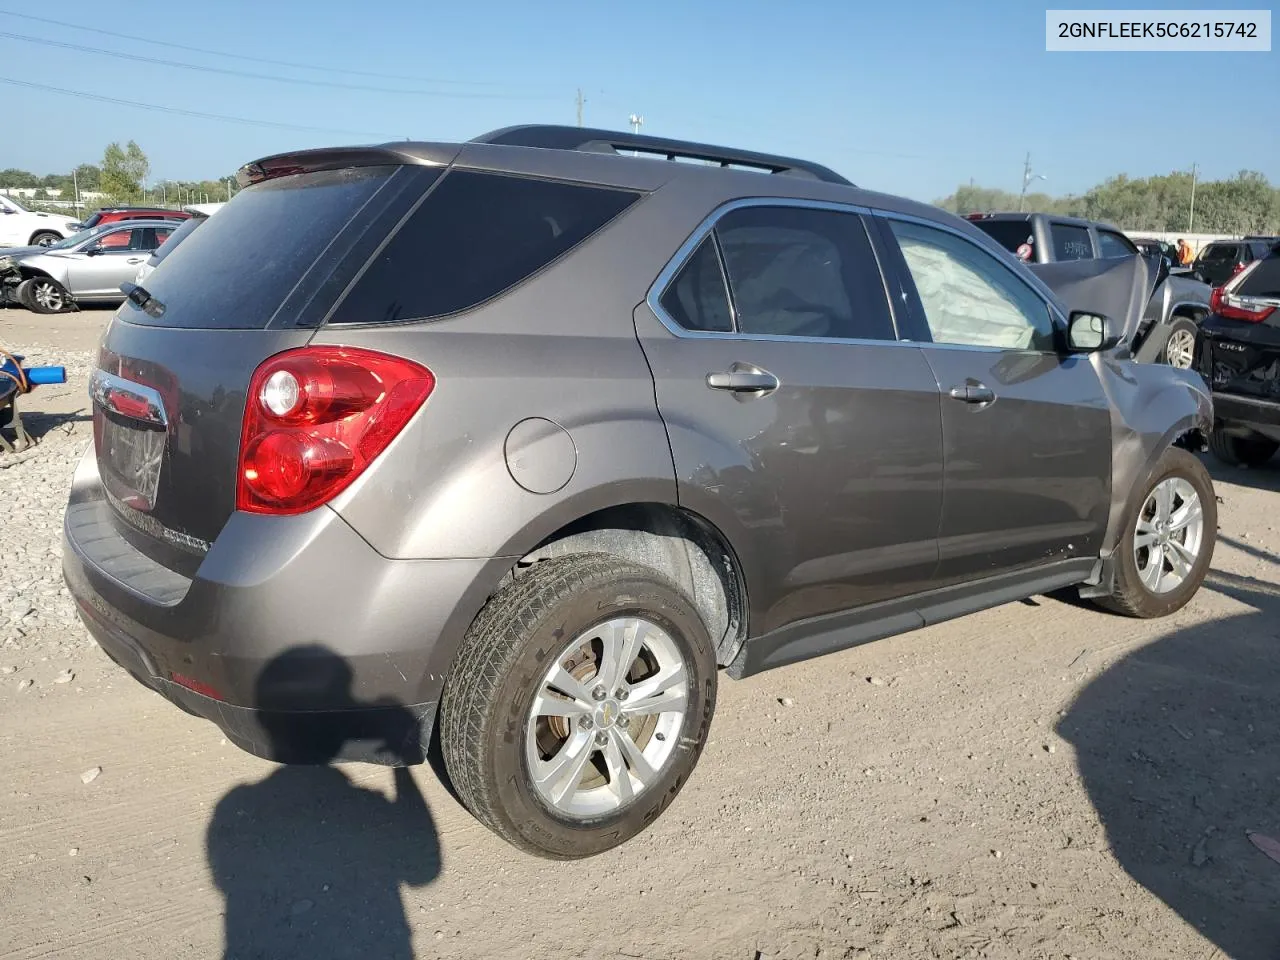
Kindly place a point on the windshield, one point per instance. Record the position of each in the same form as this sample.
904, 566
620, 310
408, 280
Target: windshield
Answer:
73, 240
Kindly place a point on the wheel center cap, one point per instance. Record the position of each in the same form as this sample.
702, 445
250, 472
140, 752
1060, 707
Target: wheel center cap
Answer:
606, 714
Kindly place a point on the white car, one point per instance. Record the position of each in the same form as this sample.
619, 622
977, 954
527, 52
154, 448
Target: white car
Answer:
20, 227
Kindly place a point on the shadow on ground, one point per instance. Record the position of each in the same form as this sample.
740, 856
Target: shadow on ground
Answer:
311, 865
1264, 477
1178, 745
37, 424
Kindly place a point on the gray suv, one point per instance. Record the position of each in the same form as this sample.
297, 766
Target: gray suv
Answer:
519, 443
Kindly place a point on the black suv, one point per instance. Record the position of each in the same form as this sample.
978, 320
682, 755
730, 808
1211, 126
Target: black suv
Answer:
1168, 329
1238, 354
1223, 259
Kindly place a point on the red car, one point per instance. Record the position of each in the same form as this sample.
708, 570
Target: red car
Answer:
114, 214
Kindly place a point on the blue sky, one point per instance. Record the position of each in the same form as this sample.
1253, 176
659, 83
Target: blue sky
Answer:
908, 97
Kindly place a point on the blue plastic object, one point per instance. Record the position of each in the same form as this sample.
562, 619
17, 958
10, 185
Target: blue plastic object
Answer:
40, 375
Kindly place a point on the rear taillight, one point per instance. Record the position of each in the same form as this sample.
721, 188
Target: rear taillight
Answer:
1225, 303
315, 418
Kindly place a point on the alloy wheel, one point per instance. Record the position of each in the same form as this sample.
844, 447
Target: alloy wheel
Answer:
607, 717
48, 295
1169, 535
1180, 350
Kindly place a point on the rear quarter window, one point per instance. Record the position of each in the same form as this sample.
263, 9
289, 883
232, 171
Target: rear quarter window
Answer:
474, 237
1070, 242
1010, 234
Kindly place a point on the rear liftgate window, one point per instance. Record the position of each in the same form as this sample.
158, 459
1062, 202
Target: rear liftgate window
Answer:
237, 270
475, 236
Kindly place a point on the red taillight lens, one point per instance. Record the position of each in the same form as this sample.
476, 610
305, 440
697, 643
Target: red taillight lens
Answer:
315, 418
1225, 303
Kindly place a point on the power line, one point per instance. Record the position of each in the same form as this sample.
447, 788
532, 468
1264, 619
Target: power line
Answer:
139, 58
192, 113
327, 68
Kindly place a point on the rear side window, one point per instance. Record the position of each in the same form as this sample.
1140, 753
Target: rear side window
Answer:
1221, 251
179, 234
237, 270
1010, 234
1113, 245
697, 298
1070, 242
797, 271
475, 236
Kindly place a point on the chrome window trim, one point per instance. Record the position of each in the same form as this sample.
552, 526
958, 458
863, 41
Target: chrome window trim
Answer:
653, 299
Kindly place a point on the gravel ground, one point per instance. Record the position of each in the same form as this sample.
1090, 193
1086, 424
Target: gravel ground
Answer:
1037, 781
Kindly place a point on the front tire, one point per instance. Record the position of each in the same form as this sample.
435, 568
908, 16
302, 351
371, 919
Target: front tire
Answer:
1237, 451
1179, 350
43, 295
45, 238
1171, 530
578, 705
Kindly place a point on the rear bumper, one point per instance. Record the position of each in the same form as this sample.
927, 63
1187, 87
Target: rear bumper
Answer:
1246, 411
294, 636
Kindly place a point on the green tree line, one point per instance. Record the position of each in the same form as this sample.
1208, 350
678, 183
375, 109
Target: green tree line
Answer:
1244, 204
123, 175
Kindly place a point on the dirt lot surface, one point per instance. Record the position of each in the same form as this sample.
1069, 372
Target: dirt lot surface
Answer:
1038, 781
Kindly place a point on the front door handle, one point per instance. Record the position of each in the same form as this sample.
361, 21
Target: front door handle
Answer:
135, 260
742, 379
973, 393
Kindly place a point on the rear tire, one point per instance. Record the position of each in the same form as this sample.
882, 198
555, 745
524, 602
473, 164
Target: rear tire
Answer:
44, 238
1179, 350
43, 295
565, 777
1237, 451
1171, 529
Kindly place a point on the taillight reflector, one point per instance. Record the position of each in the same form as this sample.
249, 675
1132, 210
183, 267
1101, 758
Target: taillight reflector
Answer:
316, 417
195, 686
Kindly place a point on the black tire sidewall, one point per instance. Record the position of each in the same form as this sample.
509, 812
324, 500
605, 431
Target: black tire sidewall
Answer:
26, 296
1175, 463
35, 237
518, 803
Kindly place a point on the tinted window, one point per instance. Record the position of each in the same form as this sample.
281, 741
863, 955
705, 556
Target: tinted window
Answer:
1010, 234
1221, 251
697, 298
1263, 280
968, 296
1070, 243
236, 271
476, 236
803, 272
175, 238
1113, 245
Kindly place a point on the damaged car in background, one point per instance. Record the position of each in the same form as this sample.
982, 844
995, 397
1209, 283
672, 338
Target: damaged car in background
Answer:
1176, 301
1238, 354
87, 267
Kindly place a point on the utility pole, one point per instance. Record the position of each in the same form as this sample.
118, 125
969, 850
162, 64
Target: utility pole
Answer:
581, 103
1191, 217
75, 185
1027, 177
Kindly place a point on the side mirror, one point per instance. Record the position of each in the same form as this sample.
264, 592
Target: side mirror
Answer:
1091, 332
6, 211
92, 250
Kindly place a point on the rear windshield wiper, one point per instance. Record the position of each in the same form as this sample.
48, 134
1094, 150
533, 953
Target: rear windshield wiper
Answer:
143, 300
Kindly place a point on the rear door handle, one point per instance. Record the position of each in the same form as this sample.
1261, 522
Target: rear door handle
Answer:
743, 380
973, 393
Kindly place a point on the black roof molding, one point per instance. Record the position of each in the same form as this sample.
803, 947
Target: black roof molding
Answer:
588, 140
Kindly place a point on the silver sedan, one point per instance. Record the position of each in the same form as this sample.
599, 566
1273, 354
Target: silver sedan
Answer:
87, 267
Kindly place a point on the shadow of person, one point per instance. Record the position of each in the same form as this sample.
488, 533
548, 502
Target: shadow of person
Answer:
1178, 745
309, 863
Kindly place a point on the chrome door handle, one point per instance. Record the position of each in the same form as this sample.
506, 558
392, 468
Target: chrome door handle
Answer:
743, 381
973, 393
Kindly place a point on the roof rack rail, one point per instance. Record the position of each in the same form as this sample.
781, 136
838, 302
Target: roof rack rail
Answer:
588, 140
